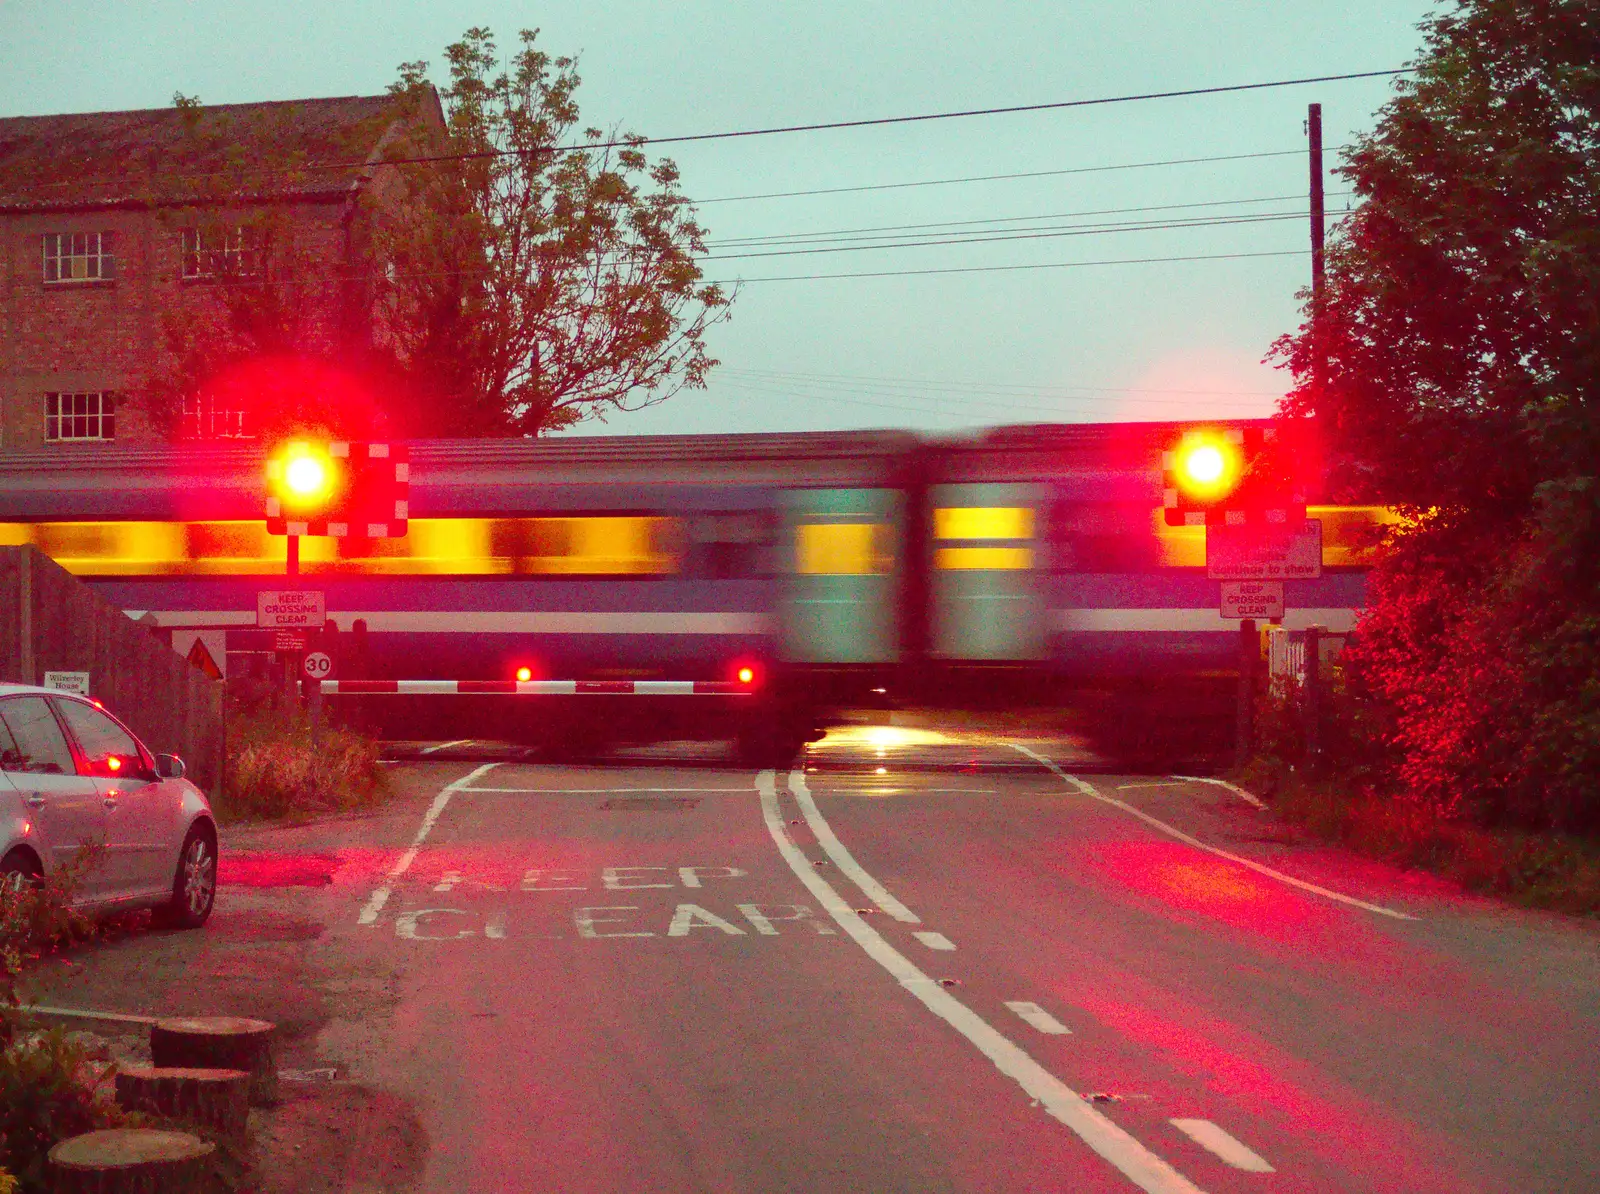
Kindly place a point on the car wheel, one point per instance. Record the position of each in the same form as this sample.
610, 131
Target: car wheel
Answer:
18, 870
194, 889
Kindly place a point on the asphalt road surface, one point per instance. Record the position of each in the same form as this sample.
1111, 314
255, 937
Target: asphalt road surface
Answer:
914, 967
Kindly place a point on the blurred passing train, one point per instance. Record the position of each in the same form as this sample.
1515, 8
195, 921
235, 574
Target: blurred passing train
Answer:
816, 568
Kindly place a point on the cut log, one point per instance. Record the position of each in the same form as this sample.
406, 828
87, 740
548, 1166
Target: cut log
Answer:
131, 1161
215, 1099
219, 1043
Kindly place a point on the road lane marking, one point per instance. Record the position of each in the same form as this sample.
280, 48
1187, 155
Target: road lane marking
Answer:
935, 940
1171, 831
1248, 797
369, 914
586, 920
692, 916
1035, 1015
1212, 1138
1132, 1159
599, 791
428, 750
842, 858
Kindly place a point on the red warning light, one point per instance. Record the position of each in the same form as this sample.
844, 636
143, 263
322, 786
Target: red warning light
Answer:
524, 674
747, 675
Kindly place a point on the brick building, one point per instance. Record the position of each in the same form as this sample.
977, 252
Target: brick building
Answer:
120, 233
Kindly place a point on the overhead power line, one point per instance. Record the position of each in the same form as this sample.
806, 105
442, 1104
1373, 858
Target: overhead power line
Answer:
945, 182
993, 269
884, 121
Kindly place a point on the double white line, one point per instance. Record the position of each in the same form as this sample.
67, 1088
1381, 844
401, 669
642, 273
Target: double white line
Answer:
1132, 1159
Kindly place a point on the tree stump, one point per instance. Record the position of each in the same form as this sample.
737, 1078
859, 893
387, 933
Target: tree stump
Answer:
131, 1161
216, 1099
219, 1043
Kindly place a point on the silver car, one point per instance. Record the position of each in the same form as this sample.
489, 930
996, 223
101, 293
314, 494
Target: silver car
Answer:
71, 773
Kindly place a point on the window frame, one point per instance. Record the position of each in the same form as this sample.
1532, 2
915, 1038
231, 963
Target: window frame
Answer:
105, 420
73, 758
201, 415
241, 256
103, 257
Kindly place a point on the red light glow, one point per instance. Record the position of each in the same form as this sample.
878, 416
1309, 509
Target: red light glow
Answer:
524, 674
746, 675
114, 763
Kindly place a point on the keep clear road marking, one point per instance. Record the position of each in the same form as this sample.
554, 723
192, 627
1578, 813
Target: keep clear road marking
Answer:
1032, 1013
1208, 1136
1132, 1159
935, 940
842, 858
1089, 790
369, 914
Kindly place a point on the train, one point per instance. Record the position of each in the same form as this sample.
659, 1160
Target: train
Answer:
807, 571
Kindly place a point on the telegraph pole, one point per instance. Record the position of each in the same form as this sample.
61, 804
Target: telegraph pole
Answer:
1319, 366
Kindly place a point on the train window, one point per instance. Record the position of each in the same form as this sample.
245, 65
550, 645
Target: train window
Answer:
843, 549
1104, 537
595, 545
731, 545
980, 527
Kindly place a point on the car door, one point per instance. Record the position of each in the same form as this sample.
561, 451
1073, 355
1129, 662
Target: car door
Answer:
141, 809
67, 808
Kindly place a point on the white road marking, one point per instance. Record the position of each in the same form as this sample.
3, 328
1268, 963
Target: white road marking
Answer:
614, 878
1251, 864
935, 940
1208, 1136
762, 916
691, 875
407, 924
842, 858
586, 920
599, 791
369, 914
1141, 1166
530, 881
1160, 784
1032, 1013
692, 916
428, 750
1247, 797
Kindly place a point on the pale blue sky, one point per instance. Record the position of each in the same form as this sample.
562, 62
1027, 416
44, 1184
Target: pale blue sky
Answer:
1179, 339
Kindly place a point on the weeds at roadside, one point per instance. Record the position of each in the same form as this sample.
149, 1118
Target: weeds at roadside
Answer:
279, 767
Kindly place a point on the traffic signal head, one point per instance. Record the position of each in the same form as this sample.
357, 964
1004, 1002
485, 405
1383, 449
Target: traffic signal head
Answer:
1231, 476
355, 490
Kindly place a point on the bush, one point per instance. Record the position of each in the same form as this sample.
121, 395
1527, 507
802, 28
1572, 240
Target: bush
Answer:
49, 1087
278, 767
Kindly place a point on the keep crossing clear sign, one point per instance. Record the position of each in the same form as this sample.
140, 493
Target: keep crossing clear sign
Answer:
290, 609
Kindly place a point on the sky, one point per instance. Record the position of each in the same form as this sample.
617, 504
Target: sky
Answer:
1035, 328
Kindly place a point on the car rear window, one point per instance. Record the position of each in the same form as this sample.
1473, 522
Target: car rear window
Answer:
37, 744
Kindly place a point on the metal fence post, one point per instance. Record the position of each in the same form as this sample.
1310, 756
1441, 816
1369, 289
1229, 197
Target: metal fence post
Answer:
1313, 696
1244, 727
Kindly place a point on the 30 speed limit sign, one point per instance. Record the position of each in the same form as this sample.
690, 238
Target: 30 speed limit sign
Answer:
318, 665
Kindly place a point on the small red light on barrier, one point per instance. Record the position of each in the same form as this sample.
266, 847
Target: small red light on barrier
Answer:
524, 674
747, 675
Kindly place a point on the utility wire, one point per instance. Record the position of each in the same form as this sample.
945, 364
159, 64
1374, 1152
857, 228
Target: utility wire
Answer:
991, 269
911, 229
882, 121
945, 182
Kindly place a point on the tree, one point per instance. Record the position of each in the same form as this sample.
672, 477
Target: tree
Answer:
1460, 327
534, 278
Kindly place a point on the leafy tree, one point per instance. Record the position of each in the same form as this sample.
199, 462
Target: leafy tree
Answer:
536, 277
1460, 327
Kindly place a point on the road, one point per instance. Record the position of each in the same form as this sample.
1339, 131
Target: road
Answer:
994, 974
911, 965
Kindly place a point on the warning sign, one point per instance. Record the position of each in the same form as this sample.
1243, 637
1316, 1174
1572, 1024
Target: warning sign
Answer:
1258, 599
1264, 552
291, 609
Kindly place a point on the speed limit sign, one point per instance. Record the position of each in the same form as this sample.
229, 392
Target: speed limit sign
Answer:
318, 665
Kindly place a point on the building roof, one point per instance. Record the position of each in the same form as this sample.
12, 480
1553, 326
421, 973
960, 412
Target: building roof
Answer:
309, 149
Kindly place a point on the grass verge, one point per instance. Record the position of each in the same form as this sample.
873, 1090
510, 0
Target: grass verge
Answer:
279, 767
1536, 870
